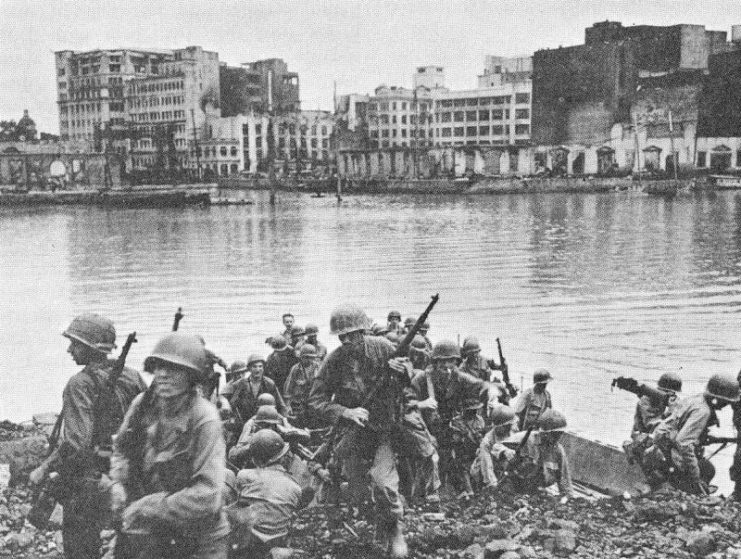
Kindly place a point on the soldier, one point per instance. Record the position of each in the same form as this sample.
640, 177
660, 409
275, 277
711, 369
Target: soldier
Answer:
236, 373
677, 452
481, 367
534, 400
298, 338
419, 355
352, 385
288, 321
267, 417
269, 497
409, 322
298, 385
442, 391
467, 430
168, 463
423, 332
735, 469
393, 323
279, 363
547, 455
312, 332
494, 457
249, 389
90, 418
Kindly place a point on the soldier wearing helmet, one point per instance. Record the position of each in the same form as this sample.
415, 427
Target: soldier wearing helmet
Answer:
312, 333
346, 378
441, 391
548, 455
408, 323
423, 332
467, 429
89, 423
534, 401
280, 361
267, 417
650, 411
298, 385
269, 498
678, 438
393, 323
481, 367
493, 456
298, 338
250, 388
168, 463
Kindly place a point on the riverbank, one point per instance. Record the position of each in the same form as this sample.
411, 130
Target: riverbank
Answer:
499, 185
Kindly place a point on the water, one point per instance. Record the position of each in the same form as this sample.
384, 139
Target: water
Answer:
590, 286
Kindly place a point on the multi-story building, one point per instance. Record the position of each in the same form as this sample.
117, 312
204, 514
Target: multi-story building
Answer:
261, 86
292, 142
91, 87
399, 117
168, 111
499, 70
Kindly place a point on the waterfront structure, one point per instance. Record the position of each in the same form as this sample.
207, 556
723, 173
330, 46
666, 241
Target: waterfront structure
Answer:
91, 86
399, 117
626, 100
260, 86
167, 111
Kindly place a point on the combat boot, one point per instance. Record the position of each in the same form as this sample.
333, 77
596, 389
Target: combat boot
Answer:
398, 548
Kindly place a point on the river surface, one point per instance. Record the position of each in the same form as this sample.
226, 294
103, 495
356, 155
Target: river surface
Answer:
589, 286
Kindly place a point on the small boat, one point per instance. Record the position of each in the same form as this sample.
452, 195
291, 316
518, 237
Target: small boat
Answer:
231, 202
726, 182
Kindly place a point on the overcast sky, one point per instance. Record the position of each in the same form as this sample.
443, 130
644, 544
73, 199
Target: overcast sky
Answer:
358, 44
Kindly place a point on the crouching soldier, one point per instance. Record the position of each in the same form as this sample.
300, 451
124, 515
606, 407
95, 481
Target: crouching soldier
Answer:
543, 462
268, 499
168, 462
467, 430
493, 457
677, 452
90, 417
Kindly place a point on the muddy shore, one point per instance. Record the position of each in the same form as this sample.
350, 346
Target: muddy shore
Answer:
498, 524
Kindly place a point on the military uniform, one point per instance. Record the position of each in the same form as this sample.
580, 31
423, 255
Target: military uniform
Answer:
178, 500
551, 466
467, 430
491, 460
246, 392
278, 365
343, 382
297, 389
88, 426
530, 405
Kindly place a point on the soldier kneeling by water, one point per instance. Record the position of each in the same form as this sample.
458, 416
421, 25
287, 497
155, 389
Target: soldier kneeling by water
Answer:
676, 455
268, 499
493, 457
544, 462
168, 462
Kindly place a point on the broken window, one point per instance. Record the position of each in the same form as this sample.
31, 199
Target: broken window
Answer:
446, 117
497, 114
522, 129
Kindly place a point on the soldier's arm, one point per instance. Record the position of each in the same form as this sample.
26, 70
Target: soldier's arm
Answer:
120, 460
288, 388
486, 462
78, 414
320, 396
201, 498
688, 438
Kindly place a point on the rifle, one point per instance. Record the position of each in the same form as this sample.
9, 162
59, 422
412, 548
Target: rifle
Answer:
178, 317
656, 395
710, 439
511, 388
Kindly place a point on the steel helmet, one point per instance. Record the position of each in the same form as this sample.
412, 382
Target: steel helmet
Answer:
278, 342
378, 330
311, 329
237, 367
552, 420
93, 330
470, 345
472, 404
307, 350
348, 318
267, 447
418, 345
394, 314
425, 326
265, 399
723, 387
183, 350
410, 321
297, 331
502, 415
255, 358
445, 349
268, 414
670, 381
542, 376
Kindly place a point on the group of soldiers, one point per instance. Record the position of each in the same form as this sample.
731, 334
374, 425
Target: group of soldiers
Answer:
194, 467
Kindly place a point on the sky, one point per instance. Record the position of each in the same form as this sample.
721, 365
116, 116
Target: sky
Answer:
357, 44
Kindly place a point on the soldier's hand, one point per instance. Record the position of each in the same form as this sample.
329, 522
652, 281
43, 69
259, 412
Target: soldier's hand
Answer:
38, 475
428, 404
359, 416
402, 365
118, 500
